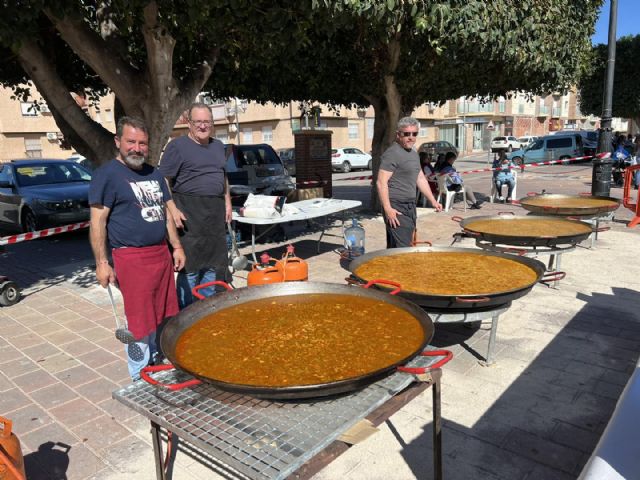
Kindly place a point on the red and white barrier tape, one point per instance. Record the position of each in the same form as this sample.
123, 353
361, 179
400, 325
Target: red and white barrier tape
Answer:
47, 232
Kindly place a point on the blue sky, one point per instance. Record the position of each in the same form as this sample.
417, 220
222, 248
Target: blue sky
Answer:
628, 21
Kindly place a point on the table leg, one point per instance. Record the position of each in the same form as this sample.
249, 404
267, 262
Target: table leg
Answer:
492, 341
253, 243
437, 425
552, 257
157, 451
558, 266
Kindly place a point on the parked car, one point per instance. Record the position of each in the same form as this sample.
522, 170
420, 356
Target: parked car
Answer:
549, 147
36, 194
589, 139
288, 157
437, 148
526, 140
349, 158
257, 169
84, 161
508, 143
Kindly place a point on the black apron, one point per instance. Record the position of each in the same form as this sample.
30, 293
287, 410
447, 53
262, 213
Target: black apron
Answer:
203, 236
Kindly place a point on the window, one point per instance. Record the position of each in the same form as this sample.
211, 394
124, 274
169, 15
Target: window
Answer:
295, 124
28, 109
108, 115
370, 122
423, 129
97, 119
222, 136
562, 142
247, 135
33, 147
267, 134
353, 131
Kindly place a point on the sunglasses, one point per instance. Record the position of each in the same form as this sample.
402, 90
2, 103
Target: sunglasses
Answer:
408, 134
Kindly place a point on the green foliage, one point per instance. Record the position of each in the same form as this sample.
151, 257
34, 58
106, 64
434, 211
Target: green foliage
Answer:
626, 95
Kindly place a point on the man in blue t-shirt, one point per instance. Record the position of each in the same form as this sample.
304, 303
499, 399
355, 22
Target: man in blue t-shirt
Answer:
128, 199
195, 168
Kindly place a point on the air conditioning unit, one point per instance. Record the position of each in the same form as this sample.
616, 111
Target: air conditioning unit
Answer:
44, 108
51, 136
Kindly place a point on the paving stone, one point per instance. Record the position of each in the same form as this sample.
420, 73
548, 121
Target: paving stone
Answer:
97, 358
101, 432
8, 354
97, 390
576, 438
51, 433
28, 339
76, 376
18, 367
116, 372
543, 451
96, 333
28, 418
77, 347
53, 395
34, 380
75, 412
117, 410
119, 456
40, 352
11, 400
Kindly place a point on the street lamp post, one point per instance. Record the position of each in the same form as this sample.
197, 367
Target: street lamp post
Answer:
601, 177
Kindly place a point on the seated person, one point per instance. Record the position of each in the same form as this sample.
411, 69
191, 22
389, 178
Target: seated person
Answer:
429, 171
454, 181
504, 176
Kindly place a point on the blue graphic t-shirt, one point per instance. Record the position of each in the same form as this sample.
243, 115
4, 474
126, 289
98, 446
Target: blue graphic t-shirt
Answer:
136, 199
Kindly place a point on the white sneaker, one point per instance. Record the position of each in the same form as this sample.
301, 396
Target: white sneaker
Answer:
509, 199
501, 199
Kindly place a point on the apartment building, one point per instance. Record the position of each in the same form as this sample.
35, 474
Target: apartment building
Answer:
467, 122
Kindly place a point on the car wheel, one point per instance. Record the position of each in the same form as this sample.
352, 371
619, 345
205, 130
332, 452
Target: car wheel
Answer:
346, 167
29, 222
370, 165
509, 148
10, 294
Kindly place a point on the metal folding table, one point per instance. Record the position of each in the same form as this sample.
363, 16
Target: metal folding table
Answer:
247, 437
306, 210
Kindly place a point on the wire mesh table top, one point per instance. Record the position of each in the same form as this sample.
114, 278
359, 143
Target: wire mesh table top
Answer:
259, 439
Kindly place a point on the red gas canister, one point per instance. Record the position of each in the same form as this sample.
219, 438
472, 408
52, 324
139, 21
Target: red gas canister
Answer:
295, 268
11, 460
269, 270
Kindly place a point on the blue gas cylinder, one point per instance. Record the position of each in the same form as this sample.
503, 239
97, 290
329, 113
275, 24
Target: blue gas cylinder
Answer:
354, 238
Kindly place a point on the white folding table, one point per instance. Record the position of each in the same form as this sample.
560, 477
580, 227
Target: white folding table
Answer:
306, 210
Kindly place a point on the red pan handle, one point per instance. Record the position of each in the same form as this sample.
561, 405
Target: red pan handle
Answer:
552, 277
457, 218
518, 251
585, 194
532, 194
429, 353
199, 296
385, 282
601, 229
353, 281
472, 299
515, 202
144, 374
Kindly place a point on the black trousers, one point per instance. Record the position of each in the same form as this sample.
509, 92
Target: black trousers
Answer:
402, 235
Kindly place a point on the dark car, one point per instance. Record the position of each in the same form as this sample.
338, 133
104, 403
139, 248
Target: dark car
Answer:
36, 194
288, 157
257, 169
437, 148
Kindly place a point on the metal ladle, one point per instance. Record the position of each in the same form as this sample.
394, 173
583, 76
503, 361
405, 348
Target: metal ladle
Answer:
238, 261
122, 333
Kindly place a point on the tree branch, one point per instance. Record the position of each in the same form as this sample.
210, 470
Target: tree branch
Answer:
100, 56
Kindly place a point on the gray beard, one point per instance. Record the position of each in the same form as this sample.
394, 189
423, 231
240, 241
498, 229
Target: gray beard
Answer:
134, 161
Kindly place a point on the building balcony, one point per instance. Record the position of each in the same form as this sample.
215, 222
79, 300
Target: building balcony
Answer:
475, 107
556, 112
543, 111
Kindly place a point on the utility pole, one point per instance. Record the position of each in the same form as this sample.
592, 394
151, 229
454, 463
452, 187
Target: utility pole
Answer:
237, 120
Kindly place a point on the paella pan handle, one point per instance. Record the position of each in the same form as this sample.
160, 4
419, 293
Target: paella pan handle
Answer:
199, 296
457, 218
385, 282
552, 277
548, 208
585, 194
506, 213
472, 299
420, 242
532, 194
429, 353
601, 229
144, 374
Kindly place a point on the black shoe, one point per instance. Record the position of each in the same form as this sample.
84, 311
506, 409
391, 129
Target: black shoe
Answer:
475, 206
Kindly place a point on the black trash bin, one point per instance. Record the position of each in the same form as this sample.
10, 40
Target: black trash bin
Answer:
601, 177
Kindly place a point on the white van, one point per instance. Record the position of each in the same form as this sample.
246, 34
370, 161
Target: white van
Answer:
550, 147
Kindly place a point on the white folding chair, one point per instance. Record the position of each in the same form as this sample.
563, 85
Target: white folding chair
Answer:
494, 191
420, 198
449, 195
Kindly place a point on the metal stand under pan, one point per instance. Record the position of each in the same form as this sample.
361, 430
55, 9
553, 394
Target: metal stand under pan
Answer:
478, 315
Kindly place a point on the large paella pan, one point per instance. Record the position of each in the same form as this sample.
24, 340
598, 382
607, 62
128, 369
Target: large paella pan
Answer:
296, 340
452, 279
556, 204
529, 231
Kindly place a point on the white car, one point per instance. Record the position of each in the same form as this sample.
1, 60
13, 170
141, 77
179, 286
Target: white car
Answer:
505, 143
527, 140
347, 159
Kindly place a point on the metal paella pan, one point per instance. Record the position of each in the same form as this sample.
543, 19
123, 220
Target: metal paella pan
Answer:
526, 231
253, 323
557, 204
451, 279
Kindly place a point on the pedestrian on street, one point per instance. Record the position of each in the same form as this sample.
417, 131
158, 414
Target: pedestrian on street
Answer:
195, 168
398, 177
129, 200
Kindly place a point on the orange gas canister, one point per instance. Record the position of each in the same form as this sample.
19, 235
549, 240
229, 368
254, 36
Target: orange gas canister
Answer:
11, 460
295, 268
269, 270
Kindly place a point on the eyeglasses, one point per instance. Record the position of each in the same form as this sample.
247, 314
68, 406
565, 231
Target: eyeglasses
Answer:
201, 123
408, 134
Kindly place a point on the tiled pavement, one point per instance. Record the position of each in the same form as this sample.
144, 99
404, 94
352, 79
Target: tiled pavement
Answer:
564, 356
